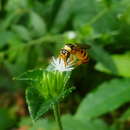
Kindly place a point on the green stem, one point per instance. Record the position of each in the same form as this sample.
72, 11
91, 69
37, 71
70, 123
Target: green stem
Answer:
57, 116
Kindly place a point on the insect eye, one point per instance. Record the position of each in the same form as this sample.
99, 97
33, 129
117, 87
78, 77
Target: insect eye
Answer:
63, 51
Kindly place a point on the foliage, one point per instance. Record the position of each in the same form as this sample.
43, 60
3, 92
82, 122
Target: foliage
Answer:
109, 96
121, 62
47, 88
6, 120
32, 31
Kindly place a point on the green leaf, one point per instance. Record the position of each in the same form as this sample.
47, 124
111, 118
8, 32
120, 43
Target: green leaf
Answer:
25, 121
9, 20
101, 18
102, 56
71, 123
68, 123
84, 11
6, 121
37, 24
38, 105
31, 75
14, 64
13, 5
22, 32
125, 116
43, 124
5, 36
48, 88
122, 63
108, 97
63, 15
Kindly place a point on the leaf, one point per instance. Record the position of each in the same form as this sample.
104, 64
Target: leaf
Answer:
14, 64
99, 54
71, 123
31, 75
68, 123
37, 24
6, 121
25, 121
38, 105
9, 20
108, 97
22, 32
13, 5
43, 124
125, 116
48, 88
5, 36
63, 15
101, 18
84, 11
121, 62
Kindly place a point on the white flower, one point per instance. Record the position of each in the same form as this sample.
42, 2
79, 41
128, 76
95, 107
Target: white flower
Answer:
71, 35
59, 65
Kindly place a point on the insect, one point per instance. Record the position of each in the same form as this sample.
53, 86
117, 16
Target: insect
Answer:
77, 51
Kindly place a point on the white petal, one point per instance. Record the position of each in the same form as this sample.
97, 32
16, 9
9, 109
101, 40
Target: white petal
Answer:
58, 64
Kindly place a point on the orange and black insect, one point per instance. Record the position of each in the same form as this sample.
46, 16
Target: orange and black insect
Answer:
77, 51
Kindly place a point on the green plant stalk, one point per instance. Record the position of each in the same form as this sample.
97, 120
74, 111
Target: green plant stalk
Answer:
57, 116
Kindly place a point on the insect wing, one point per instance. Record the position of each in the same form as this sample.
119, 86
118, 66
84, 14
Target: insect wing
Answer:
83, 46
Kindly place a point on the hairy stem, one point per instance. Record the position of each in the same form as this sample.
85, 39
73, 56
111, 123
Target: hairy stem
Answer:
57, 116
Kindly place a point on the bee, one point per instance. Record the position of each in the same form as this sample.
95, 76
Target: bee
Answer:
75, 50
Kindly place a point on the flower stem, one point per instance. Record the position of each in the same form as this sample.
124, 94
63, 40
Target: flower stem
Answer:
57, 116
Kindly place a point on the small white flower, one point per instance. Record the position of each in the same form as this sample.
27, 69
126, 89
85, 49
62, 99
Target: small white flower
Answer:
71, 35
59, 65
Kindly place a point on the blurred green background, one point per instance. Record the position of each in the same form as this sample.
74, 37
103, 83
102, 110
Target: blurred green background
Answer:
32, 31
